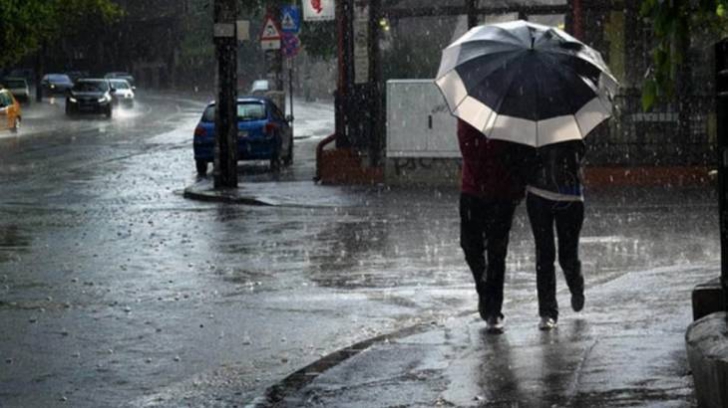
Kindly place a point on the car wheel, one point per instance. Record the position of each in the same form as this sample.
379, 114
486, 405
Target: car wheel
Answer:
289, 157
69, 109
16, 125
108, 112
201, 166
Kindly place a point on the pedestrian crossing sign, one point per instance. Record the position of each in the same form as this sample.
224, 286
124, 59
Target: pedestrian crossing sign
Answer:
290, 19
270, 30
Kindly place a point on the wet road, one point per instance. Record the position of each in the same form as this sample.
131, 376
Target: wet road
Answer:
116, 291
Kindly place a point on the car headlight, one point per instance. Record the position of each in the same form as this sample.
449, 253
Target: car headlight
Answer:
52, 86
72, 99
104, 98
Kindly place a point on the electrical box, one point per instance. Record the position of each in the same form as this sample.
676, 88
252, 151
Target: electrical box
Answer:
419, 123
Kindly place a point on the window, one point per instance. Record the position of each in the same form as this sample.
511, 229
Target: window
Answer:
246, 112
5, 100
251, 111
120, 84
87, 86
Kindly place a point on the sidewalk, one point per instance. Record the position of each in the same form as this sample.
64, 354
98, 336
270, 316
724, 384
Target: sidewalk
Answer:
627, 348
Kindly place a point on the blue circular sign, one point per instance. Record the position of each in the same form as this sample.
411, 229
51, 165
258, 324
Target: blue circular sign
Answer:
290, 45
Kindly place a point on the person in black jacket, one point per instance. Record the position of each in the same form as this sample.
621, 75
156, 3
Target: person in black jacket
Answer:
555, 199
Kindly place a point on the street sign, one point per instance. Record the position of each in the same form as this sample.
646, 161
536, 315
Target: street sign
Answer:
290, 45
318, 10
270, 37
243, 30
290, 19
224, 30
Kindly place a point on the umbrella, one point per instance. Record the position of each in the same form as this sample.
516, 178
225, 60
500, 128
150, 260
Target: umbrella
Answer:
526, 83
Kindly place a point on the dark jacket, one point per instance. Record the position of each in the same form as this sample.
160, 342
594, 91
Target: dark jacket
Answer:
490, 167
558, 168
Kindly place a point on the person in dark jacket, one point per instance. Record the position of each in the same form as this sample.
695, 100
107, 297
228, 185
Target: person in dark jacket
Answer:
489, 195
555, 199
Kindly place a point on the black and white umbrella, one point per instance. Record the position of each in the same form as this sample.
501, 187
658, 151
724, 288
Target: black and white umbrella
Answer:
526, 83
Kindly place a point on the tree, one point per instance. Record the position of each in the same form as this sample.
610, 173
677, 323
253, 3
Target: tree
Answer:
672, 21
27, 24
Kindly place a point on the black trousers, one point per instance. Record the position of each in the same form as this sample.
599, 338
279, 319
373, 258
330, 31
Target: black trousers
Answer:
484, 229
568, 217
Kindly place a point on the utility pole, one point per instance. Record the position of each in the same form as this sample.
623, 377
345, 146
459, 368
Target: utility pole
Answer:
226, 127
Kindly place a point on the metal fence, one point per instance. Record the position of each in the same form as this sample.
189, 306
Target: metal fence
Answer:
664, 136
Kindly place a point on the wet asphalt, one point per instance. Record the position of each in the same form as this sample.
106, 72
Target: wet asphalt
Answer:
116, 291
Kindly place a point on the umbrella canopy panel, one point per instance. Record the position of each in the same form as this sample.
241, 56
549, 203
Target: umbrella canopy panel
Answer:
525, 82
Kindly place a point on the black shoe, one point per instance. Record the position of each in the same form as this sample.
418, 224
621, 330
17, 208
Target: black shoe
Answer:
577, 302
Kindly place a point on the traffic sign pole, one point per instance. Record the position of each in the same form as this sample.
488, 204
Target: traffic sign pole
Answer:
270, 40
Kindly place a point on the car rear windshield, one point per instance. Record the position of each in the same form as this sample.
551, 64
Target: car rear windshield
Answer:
247, 111
91, 86
59, 79
120, 84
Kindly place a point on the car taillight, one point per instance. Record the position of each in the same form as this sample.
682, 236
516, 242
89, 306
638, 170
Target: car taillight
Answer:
200, 131
270, 129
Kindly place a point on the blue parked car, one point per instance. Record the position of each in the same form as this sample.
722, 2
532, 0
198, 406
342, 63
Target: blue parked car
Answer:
264, 133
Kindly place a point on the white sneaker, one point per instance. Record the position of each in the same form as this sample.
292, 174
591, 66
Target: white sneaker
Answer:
547, 323
495, 324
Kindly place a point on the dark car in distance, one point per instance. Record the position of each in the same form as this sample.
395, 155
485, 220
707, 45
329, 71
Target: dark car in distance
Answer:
264, 133
90, 96
56, 83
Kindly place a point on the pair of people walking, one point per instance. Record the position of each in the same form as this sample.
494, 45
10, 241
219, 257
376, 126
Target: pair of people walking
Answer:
496, 175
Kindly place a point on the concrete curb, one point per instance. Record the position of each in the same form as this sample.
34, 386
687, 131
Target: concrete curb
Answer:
707, 348
277, 393
235, 196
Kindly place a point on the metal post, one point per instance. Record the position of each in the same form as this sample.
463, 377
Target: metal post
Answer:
472, 13
721, 110
290, 89
226, 127
343, 91
378, 117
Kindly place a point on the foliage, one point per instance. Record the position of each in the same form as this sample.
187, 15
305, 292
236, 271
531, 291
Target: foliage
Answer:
27, 24
411, 58
672, 21
319, 39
